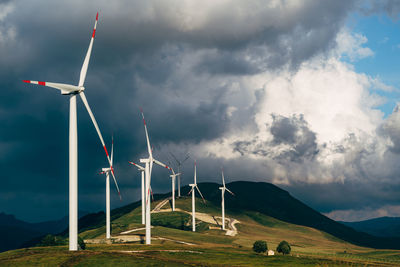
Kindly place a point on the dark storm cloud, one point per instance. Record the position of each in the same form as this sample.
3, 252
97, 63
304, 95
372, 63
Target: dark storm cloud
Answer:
178, 61
293, 132
225, 63
355, 195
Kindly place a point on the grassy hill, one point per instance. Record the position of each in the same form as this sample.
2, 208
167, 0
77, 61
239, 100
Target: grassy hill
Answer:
264, 212
174, 244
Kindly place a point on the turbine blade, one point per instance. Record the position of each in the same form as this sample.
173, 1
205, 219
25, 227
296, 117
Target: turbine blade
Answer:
116, 184
112, 148
162, 164
177, 161
195, 172
151, 168
229, 191
204, 201
137, 165
187, 157
223, 179
84, 100
190, 191
64, 88
87, 58
152, 195
147, 136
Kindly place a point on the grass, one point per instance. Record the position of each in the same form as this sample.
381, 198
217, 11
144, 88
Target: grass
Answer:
310, 247
178, 255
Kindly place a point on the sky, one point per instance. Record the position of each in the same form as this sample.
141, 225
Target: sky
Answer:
302, 94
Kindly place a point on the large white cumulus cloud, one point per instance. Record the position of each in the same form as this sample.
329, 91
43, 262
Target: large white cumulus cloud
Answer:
318, 124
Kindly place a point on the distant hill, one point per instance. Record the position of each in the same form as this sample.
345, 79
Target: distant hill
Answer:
15, 233
383, 226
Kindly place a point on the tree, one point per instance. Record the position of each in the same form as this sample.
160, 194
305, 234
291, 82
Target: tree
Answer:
260, 246
81, 243
51, 240
284, 248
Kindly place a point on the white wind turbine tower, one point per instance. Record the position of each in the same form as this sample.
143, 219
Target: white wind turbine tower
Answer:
173, 175
148, 169
193, 191
223, 188
179, 163
142, 171
107, 171
73, 91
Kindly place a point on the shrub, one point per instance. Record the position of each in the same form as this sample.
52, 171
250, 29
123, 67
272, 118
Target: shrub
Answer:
81, 243
51, 240
260, 246
284, 248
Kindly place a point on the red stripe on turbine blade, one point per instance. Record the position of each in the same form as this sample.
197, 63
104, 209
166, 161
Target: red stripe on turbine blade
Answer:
112, 170
26, 81
42, 83
94, 33
105, 149
97, 16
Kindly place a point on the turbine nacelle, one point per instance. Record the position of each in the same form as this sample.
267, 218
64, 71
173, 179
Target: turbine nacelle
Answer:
77, 91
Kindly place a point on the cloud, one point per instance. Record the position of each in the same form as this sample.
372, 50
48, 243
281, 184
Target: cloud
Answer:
364, 214
350, 46
391, 128
258, 87
389, 7
291, 137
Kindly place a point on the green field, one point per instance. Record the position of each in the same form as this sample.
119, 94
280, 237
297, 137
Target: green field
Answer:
207, 247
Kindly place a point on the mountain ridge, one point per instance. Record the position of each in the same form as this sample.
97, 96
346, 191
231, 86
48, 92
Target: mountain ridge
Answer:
381, 226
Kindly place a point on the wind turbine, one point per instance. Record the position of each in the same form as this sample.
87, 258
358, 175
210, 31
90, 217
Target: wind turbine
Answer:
193, 191
179, 171
107, 171
223, 188
173, 175
72, 91
142, 170
148, 169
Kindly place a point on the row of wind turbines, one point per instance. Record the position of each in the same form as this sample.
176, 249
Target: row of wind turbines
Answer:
146, 190
72, 91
